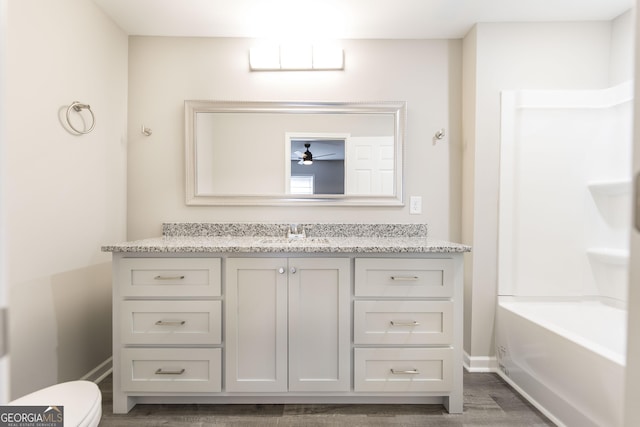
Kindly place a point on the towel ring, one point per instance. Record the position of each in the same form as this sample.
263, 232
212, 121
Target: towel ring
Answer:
75, 105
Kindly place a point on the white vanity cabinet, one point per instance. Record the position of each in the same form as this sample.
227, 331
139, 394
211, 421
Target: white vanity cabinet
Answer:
290, 327
407, 332
287, 325
167, 317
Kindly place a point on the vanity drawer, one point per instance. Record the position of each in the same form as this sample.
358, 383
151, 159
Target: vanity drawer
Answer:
384, 277
169, 277
195, 370
171, 322
403, 322
402, 369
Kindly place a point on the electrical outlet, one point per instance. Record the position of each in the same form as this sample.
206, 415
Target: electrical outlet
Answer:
415, 205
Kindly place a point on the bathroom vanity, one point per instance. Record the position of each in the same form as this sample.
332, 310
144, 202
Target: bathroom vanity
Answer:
240, 313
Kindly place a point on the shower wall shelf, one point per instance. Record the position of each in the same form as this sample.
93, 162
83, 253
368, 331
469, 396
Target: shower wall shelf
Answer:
610, 187
609, 256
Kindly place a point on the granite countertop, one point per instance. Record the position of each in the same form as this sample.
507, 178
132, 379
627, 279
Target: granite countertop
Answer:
271, 238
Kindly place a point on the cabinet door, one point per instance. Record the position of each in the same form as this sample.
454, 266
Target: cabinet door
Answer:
256, 325
319, 324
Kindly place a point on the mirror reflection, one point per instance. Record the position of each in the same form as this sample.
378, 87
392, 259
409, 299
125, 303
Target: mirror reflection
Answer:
320, 171
281, 153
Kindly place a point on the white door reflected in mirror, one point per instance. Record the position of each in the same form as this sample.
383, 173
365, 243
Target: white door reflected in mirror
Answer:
370, 168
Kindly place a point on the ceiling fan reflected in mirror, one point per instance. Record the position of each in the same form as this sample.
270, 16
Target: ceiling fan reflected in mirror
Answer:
306, 158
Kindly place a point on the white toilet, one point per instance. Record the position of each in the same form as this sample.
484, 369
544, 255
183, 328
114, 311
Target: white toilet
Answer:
82, 402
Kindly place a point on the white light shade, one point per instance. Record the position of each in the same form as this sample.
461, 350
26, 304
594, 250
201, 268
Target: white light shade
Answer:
264, 58
296, 57
328, 58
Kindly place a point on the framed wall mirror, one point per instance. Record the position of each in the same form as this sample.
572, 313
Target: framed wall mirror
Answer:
290, 153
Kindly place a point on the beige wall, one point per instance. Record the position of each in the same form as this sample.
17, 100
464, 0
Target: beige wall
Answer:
164, 72
63, 195
512, 57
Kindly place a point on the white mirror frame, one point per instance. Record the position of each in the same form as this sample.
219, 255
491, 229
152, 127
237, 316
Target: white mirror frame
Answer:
396, 109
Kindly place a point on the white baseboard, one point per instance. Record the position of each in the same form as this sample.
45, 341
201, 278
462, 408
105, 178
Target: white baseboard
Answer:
100, 372
480, 363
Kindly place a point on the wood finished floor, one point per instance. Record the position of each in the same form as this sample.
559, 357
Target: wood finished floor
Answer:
488, 401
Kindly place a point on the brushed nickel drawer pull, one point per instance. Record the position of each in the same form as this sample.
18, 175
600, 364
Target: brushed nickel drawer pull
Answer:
414, 323
171, 322
402, 372
160, 371
168, 277
404, 278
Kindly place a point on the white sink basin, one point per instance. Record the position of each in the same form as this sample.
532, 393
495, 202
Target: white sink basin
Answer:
294, 241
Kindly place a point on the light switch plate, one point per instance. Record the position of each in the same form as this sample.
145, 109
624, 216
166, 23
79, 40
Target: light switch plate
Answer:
415, 205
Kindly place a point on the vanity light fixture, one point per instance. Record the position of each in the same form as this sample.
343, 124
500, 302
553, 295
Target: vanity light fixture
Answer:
264, 58
328, 57
296, 57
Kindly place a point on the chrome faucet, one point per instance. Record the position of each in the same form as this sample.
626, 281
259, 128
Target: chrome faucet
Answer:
296, 232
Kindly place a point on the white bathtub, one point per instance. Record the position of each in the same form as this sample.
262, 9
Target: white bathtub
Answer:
566, 357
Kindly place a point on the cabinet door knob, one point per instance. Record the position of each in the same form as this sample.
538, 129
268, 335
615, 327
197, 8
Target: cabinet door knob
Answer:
293, 270
281, 270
